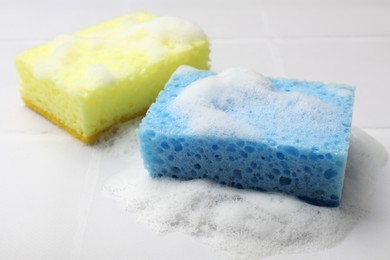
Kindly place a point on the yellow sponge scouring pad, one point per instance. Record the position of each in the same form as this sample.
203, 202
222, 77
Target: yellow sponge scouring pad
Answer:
108, 73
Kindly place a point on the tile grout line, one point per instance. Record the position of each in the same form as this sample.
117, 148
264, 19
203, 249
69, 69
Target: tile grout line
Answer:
84, 208
333, 37
274, 50
269, 36
274, 37
22, 41
380, 128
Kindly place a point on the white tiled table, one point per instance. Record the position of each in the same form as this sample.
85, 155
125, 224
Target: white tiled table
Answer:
51, 204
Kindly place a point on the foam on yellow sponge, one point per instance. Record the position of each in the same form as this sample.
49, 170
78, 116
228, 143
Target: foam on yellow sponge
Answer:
88, 81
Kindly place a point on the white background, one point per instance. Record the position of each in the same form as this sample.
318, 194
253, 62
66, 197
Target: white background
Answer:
51, 204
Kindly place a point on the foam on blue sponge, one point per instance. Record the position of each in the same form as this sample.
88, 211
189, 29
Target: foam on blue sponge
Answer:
241, 129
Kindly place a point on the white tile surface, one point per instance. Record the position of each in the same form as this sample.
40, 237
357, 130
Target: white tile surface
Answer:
252, 54
43, 20
41, 184
218, 18
51, 201
330, 18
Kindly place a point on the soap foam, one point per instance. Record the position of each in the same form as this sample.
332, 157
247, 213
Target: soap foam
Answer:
168, 28
228, 104
63, 48
151, 40
98, 76
242, 224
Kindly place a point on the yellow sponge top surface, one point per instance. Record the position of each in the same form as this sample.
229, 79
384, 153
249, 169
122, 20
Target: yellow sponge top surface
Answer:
99, 56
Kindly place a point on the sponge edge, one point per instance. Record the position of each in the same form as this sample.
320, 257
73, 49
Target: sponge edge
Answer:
299, 148
109, 73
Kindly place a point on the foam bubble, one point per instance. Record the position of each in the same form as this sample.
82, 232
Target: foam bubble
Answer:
98, 76
62, 49
168, 28
242, 103
242, 224
121, 140
153, 39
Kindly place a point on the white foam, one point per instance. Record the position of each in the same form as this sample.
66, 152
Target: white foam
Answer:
62, 46
240, 102
365, 157
168, 28
241, 224
121, 140
151, 40
98, 76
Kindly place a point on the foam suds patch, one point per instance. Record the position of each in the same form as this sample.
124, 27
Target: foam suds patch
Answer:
241, 224
240, 103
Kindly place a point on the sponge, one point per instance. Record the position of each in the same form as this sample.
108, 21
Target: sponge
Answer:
241, 129
108, 73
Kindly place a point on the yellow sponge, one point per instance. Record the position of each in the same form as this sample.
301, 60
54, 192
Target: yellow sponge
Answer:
88, 81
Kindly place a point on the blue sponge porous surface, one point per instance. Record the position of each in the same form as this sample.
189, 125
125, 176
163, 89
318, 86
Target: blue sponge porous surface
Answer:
247, 131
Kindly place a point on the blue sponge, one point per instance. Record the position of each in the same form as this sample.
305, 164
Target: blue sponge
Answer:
241, 129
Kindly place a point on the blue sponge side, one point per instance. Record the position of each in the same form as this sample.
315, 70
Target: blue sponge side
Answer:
311, 169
